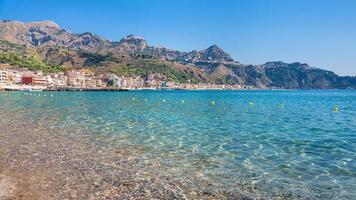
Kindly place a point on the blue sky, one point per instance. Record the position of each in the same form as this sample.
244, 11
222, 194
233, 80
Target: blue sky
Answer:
319, 32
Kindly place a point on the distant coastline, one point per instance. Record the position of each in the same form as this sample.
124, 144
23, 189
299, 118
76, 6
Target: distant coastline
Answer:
86, 59
104, 89
122, 89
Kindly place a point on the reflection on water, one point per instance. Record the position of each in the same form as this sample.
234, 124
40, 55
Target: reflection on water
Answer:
288, 144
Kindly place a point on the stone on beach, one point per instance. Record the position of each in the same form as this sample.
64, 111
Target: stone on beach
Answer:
6, 187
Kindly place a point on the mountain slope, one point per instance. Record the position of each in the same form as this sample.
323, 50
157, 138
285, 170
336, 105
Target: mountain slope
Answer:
47, 42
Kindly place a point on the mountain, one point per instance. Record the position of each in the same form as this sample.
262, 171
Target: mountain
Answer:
46, 46
213, 53
47, 33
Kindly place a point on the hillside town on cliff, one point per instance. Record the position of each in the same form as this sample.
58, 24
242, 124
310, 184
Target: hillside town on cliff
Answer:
14, 78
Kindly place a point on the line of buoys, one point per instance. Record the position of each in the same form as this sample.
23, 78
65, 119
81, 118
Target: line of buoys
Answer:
35, 94
212, 103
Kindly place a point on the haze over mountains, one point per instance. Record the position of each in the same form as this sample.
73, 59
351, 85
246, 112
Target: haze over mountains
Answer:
132, 55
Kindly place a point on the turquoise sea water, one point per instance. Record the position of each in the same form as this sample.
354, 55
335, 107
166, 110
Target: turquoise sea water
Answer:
297, 144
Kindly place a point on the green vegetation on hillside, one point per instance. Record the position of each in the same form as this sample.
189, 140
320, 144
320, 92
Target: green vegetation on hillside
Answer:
29, 62
129, 70
95, 59
11, 46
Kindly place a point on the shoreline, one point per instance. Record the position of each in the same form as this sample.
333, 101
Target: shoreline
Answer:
10, 88
70, 88
118, 89
149, 89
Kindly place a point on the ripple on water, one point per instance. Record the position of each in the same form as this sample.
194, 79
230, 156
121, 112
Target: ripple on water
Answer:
264, 150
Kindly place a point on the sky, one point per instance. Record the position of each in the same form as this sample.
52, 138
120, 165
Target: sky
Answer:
321, 33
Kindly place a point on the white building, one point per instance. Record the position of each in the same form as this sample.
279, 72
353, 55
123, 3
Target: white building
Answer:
57, 79
3, 76
14, 76
76, 78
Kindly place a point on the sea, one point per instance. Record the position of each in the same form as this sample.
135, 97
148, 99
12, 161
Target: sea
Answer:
263, 144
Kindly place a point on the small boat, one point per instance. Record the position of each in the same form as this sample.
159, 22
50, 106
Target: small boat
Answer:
33, 90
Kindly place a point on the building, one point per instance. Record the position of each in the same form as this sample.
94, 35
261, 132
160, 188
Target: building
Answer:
76, 78
39, 81
99, 82
3, 76
134, 82
57, 80
92, 81
14, 76
30, 78
27, 78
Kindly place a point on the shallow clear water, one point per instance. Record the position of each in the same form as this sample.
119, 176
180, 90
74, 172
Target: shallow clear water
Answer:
261, 143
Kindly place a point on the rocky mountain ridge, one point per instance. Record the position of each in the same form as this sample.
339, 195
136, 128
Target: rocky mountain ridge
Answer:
57, 46
48, 33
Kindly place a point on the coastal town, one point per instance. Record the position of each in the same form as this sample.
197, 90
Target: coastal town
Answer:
16, 78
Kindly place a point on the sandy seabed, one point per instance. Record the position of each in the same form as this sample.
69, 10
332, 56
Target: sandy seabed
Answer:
37, 162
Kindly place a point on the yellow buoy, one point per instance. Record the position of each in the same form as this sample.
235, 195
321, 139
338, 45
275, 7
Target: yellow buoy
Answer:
213, 103
250, 103
182, 101
133, 98
146, 99
282, 105
336, 109
164, 101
